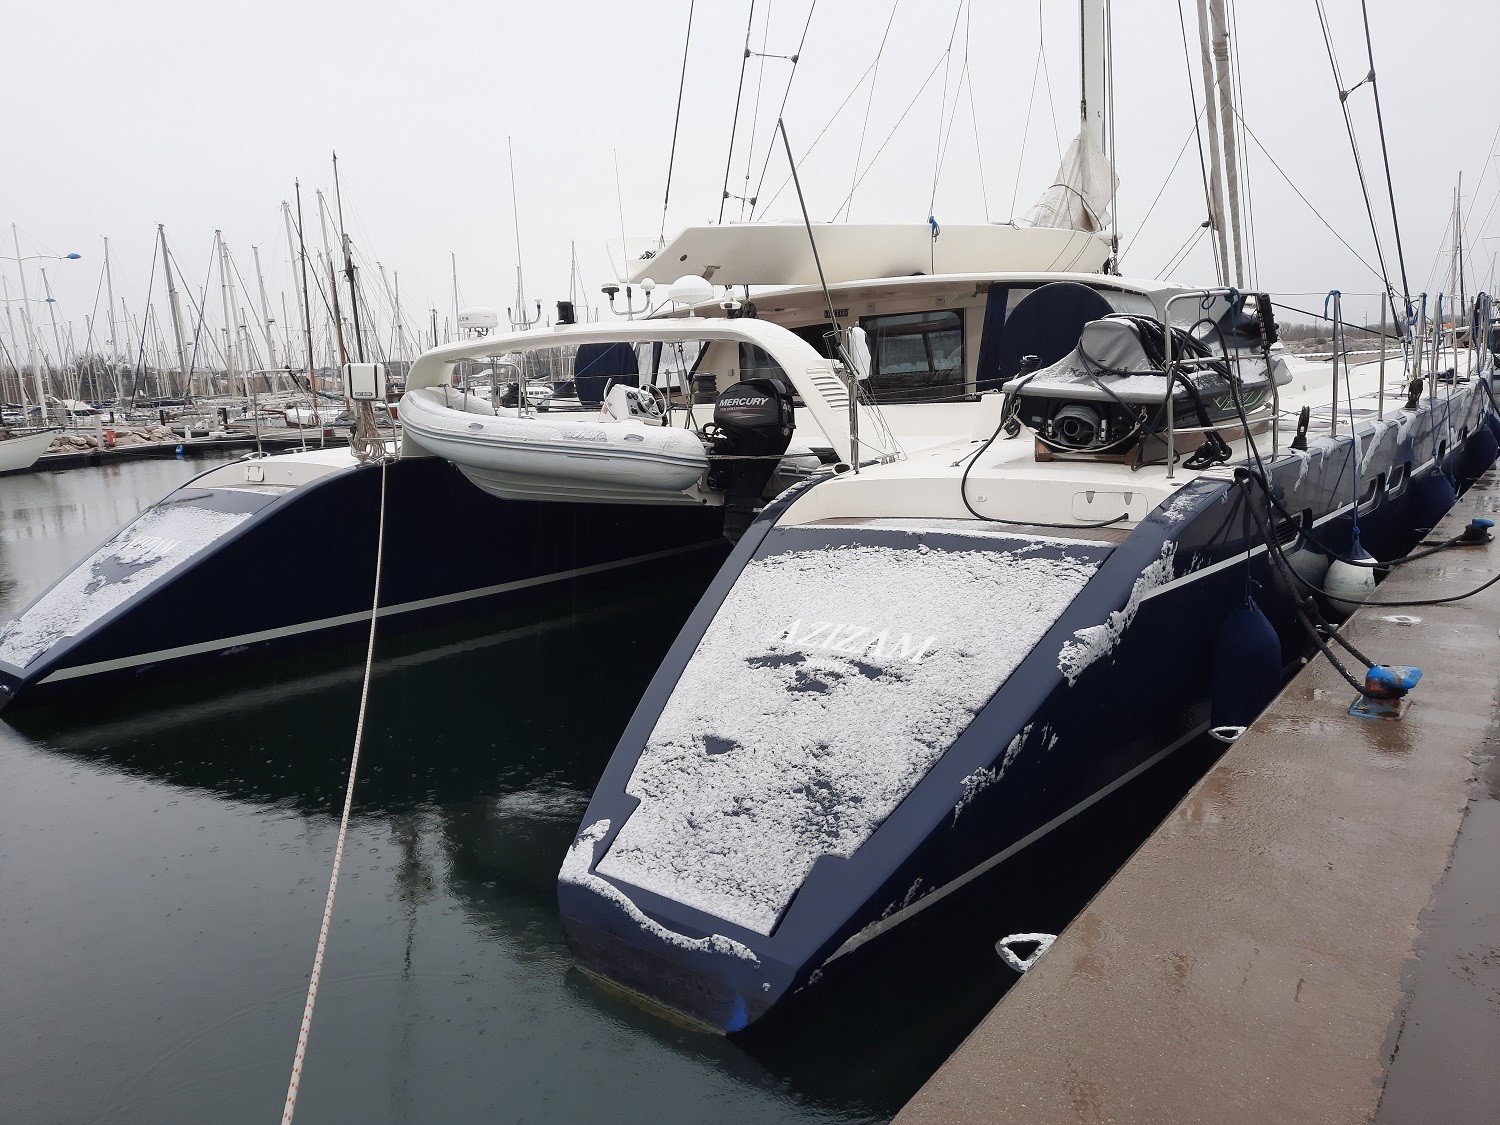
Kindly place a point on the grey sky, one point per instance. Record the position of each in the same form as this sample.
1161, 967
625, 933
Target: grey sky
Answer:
200, 115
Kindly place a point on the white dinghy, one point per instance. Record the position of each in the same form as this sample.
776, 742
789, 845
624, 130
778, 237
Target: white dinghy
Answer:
516, 455
646, 445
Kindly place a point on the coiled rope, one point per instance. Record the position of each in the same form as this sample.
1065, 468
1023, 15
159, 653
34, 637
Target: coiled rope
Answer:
338, 851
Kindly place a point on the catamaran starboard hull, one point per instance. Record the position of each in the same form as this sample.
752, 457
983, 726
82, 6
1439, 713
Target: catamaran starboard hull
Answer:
863, 716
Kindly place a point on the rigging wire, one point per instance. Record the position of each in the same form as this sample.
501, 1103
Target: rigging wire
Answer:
1483, 172
984, 194
1036, 72
785, 94
1198, 133
1390, 185
620, 207
963, 76
937, 156
1359, 166
141, 352
88, 344
827, 125
1183, 251
869, 103
1311, 207
1112, 265
931, 74
676, 123
735, 124
760, 82
1167, 180
1047, 82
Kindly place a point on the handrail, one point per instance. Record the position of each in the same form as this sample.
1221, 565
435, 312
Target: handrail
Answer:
1201, 295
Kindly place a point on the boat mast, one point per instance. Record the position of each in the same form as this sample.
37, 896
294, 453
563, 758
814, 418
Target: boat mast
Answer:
338, 199
300, 251
333, 280
176, 309
1226, 114
1095, 111
130, 352
15, 360
114, 344
268, 322
518, 319
286, 336
229, 341
36, 371
1458, 244
453, 259
1215, 161
62, 359
1091, 65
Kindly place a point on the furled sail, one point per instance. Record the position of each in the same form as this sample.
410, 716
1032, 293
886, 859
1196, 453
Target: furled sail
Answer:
1080, 195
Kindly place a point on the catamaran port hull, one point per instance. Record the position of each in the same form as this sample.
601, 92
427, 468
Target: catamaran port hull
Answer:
280, 552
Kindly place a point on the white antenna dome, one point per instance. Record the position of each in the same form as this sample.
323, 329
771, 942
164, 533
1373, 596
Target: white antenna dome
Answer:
478, 320
690, 289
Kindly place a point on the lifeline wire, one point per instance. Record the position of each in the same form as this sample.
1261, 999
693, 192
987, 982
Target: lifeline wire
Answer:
338, 851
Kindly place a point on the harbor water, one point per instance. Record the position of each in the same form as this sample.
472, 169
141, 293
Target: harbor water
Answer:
164, 859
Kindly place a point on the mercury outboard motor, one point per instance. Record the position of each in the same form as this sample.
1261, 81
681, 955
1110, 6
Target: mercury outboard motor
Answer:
752, 427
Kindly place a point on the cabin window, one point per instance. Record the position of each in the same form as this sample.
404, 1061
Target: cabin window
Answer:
916, 357
756, 363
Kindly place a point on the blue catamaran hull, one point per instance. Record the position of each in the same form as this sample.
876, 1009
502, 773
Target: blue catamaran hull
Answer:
214, 571
1122, 676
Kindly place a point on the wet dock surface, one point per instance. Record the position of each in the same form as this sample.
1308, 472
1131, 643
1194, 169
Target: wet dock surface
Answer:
1313, 934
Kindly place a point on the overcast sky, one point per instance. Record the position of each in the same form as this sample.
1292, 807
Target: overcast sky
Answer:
201, 116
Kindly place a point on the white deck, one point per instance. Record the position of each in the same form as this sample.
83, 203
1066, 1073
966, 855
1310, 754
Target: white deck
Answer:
1008, 482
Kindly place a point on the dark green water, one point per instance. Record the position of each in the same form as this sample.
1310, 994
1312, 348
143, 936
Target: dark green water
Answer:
163, 863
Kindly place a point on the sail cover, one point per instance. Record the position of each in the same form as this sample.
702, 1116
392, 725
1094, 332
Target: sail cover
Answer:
1080, 195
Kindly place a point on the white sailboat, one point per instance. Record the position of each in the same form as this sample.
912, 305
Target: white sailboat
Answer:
22, 451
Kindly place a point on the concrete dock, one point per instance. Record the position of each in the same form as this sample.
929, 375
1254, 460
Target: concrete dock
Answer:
1313, 934
275, 441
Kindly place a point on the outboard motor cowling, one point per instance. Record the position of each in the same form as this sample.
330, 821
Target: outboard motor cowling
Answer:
752, 427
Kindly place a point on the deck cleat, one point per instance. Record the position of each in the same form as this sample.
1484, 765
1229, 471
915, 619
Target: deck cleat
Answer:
1477, 533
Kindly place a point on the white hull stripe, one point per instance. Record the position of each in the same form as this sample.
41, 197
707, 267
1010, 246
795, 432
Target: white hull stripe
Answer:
877, 928
354, 618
